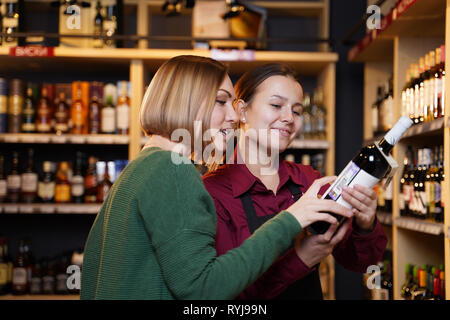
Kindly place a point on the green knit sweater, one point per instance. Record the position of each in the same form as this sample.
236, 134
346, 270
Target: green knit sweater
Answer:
154, 238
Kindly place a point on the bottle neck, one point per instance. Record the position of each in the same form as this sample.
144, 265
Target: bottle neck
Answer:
385, 146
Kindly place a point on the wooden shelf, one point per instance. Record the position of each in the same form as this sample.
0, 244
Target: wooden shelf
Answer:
64, 138
50, 208
409, 18
40, 297
426, 129
423, 226
385, 218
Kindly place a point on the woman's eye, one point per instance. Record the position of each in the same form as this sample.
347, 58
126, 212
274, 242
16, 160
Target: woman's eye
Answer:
221, 102
297, 113
275, 105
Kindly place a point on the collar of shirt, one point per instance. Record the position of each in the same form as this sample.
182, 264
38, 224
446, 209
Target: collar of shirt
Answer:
242, 180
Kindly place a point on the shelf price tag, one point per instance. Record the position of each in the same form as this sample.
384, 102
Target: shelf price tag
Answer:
32, 51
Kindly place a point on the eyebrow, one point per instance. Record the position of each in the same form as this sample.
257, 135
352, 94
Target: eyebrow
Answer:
284, 99
229, 94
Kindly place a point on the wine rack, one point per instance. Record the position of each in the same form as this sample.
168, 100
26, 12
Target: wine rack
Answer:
409, 31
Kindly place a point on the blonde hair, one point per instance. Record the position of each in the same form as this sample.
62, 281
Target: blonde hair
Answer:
176, 93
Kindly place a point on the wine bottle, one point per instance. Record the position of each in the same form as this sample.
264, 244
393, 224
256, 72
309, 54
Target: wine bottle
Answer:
370, 165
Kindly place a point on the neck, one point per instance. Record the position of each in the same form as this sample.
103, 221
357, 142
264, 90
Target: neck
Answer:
263, 165
166, 144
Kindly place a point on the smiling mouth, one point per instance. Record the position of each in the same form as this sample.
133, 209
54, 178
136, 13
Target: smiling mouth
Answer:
283, 132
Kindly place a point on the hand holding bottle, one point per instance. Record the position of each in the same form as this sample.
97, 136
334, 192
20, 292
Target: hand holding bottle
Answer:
364, 203
309, 208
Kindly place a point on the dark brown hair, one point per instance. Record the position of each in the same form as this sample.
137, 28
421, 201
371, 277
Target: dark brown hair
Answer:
249, 82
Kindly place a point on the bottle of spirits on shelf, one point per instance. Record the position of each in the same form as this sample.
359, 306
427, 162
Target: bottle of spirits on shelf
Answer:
91, 182
46, 186
421, 89
44, 112
110, 23
3, 105
105, 182
29, 181
426, 101
307, 117
14, 180
29, 110
61, 274
319, 115
77, 110
48, 279
442, 77
420, 291
386, 279
409, 279
419, 185
22, 269
3, 181
62, 114
442, 278
78, 180
98, 27
123, 107
36, 279
436, 284
11, 23
387, 107
405, 183
3, 268
367, 168
416, 93
1, 22
438, 183
376, 111
108, 117
427, 182
62, 186
15, 106
95, 107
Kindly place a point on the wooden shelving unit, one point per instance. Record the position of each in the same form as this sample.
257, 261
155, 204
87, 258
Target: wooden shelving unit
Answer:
138, 65
409, 31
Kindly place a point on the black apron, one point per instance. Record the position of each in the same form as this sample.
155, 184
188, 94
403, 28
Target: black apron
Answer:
307, 288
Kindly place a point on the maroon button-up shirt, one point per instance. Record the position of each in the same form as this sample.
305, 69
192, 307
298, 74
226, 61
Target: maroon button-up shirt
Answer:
355, 252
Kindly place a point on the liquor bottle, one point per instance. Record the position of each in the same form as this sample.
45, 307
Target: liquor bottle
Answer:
62, 114
321, 114
123, 108
428, 182
409, 279
110, 23
61, 275
29, 181
15, 106
48, 279
437, 284
404, 183
44, 112
419, 186
438, 181
416, 93
46, 186
91, 182
3, 268
95, 107
307, 117
77, 181
14, 180
105, 182
3, 181
426, 78
108, 116
3, 105
29, 110
77, 111
420, 291
376, 111
442, 75
1, 22
367, 168
442, 278
98, 27
11, 23
62, 185
387, 107
421, 89
22, 269
432, 84
386, 280
36, 279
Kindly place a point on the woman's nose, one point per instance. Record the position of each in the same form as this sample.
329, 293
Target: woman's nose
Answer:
231, 115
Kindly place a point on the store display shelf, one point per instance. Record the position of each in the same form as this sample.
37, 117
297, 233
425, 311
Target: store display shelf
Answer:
50, 208
64, 138
432, 128
117, 60
385, 217
40, 297
423, 226
410, 18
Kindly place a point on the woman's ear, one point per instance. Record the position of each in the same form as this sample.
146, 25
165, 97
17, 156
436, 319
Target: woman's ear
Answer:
240, 107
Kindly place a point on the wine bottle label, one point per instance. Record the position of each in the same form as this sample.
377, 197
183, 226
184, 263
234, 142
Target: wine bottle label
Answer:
437, 192
48, 284
61, 282
350, 176
28, 127
123, 116
15, 105
3, 274
29, 182
109, 27
429, 193
14, 182
3, 188
43, 127
46, 190
35, 285
77, 186
108, 119
3, 104
20, 276
62, 193
10, 22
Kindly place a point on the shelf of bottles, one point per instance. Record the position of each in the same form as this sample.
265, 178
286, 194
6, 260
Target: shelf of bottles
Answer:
27, 277
426, 282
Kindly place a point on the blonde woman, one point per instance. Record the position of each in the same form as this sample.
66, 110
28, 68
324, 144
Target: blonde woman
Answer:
154, 235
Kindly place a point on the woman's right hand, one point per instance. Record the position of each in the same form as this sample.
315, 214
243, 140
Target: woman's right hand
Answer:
309, 208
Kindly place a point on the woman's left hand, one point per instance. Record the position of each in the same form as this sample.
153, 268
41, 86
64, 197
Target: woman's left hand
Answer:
364, 203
